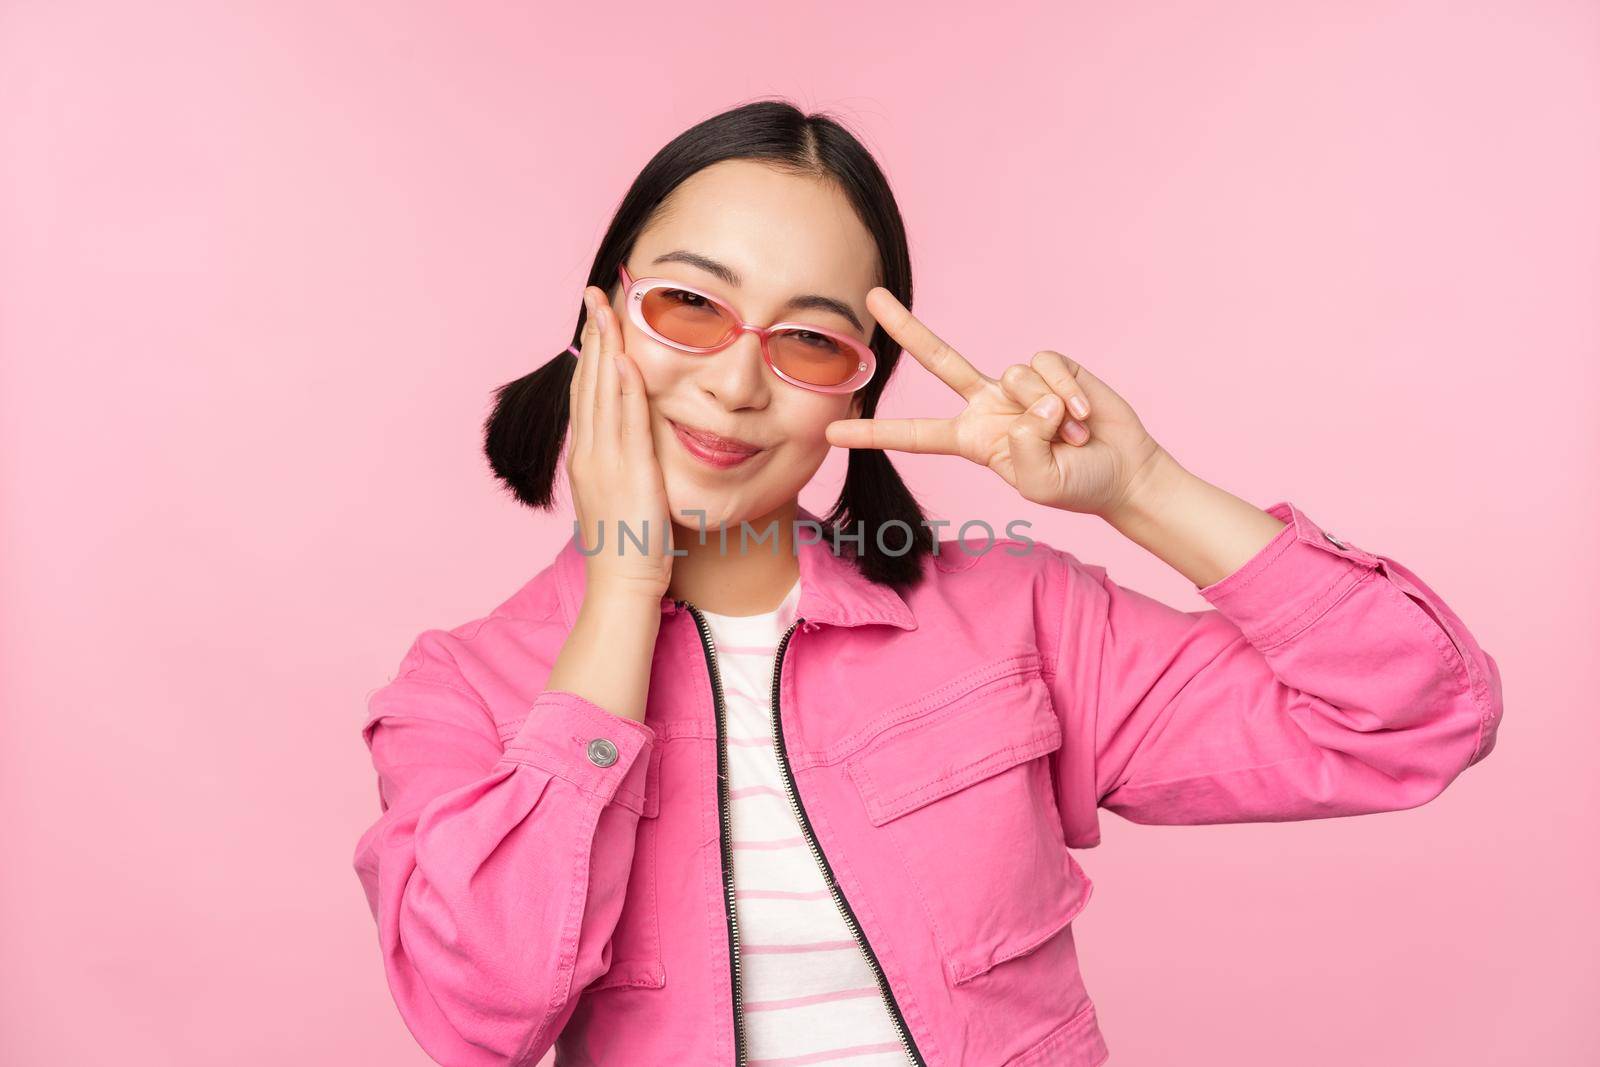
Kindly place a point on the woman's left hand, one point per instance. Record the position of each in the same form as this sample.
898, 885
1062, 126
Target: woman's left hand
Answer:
1086, 458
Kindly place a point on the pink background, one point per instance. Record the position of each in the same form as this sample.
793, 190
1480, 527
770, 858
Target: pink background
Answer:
260, 268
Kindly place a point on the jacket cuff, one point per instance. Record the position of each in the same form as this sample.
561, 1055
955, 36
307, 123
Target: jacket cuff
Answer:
1291, 581
559, 736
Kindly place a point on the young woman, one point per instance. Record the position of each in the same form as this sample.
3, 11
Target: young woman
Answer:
729, 782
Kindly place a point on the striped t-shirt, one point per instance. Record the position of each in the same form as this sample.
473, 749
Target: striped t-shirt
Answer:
809, 994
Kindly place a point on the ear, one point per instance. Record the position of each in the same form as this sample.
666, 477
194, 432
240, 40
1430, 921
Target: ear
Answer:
856, 401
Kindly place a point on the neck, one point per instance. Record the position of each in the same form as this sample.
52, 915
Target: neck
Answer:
732, 574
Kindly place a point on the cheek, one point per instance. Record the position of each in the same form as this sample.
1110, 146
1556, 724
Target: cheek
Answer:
806, 420
660, 366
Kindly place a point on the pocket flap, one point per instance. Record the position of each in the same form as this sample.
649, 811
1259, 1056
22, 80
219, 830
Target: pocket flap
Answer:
987, 731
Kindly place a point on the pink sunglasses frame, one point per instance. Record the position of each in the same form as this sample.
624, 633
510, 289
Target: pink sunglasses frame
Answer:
634, 294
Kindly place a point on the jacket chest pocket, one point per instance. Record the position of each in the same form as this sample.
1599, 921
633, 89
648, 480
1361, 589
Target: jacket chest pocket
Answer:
964, 793
636, 958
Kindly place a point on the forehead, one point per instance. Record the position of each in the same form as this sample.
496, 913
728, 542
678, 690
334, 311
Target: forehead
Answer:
782, 232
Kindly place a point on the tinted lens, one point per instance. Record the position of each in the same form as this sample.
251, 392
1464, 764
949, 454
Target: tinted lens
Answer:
813, 357
687, 318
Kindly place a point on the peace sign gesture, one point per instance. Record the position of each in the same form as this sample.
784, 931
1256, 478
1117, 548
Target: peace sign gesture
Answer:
1014, 424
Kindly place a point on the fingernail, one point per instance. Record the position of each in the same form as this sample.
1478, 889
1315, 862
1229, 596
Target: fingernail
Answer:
1077, 433
1078, 406
1047, 406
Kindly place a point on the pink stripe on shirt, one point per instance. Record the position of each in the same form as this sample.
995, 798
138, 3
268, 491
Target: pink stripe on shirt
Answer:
808, 994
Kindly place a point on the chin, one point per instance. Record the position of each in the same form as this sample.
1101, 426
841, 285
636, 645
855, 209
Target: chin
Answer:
695, 508
722, 510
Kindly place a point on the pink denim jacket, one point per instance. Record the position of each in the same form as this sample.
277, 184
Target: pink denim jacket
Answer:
545, 872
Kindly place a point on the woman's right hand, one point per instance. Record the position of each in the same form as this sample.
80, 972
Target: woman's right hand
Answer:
611, 462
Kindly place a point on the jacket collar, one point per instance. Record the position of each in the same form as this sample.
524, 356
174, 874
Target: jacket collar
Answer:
832, 589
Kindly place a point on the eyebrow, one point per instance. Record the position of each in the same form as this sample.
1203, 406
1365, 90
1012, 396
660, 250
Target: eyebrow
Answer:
804, 302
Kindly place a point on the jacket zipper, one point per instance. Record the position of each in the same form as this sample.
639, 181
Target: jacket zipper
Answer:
912, 1053
726, 820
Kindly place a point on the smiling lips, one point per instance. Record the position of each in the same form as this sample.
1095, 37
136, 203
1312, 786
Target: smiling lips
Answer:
714, 449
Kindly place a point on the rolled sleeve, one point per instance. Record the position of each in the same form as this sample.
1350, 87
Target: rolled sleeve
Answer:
1291, 581
556, 738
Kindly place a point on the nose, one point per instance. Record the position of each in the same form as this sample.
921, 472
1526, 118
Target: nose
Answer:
737, 376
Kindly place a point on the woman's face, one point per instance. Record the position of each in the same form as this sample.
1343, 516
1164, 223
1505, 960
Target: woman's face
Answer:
782, 236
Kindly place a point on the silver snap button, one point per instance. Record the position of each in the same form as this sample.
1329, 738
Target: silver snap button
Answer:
602, 753
1334, 540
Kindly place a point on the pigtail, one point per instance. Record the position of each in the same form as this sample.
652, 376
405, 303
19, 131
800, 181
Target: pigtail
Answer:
526, 431
894, 539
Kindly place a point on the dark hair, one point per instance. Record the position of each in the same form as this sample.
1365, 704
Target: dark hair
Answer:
526, 432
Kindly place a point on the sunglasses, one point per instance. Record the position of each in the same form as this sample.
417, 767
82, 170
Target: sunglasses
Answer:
690, 320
